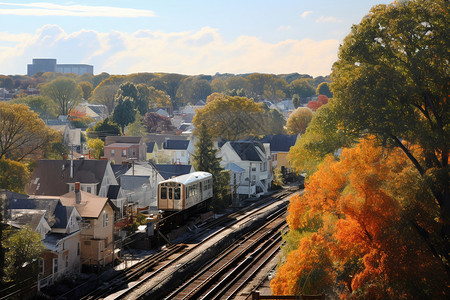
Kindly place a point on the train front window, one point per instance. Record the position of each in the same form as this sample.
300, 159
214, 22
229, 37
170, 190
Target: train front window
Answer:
163, 193
177, 194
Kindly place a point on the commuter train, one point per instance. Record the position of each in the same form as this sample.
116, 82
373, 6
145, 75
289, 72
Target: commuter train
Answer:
185, 191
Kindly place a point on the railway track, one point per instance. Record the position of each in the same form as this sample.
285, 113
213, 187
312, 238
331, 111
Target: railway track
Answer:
225, 276
132, 283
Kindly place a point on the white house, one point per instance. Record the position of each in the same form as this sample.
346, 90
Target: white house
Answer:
253, 160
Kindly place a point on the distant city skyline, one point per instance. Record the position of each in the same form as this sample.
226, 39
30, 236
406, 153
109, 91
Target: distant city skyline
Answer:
186, 37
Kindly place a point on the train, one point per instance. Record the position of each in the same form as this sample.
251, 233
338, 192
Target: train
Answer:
183, 192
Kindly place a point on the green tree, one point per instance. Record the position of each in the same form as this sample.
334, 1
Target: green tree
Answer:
266, 86
22, 133
104, 128
96, 147
193, 89
205, 159
275, 122
137, 128
97, 79
105, 94
14, 175
6, 82
41, 105
391, 80
124, 112
302, 87
299, 120
231, 117
142, 102
86, 89
296, 100
324, 89
23, 250
64, 92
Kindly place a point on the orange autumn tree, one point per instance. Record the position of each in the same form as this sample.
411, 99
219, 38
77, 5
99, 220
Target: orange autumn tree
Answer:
355, 240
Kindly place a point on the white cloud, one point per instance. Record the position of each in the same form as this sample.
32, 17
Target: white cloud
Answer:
323, 19
200, 52
306, 13
50, 9
284, 28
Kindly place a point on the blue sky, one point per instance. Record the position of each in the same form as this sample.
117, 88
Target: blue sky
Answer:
187, 37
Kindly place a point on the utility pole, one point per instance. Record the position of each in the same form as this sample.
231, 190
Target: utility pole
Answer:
250, 180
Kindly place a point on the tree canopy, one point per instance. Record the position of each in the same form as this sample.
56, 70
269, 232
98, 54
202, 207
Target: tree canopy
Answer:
64, 92
232, 118
22, 133
384, 205
103, 129
299, 120
205, 159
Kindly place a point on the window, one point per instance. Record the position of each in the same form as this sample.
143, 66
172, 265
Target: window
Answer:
55, 265
170, 193
177, 194
113, 152
72, 188
78, 249
67, 261
41, 265
105, 219
124, 153
89, 189
163, 193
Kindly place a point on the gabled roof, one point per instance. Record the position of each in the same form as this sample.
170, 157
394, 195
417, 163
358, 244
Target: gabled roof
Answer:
150, 147
176, 144
280, 142
122, 139
247, 150
25, 217
131, 183
89, 206
159, 139
234, 168
51, 176
168, 171
113, 191
56, 214
121, 145
120, 169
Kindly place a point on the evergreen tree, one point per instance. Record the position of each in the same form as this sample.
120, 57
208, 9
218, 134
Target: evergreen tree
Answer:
124, 112
205, 159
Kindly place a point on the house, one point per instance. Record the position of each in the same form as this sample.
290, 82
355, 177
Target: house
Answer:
71, 137
97, 227
152, 152
58, 177
58, 226
140, 184
279, 149
98, 112
178, 151
253, 157
123, 148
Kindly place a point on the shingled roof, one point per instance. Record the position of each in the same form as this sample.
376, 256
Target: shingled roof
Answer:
169, 171
280, 142
89, 206
122, 139
176, 144
247, 150
51, 176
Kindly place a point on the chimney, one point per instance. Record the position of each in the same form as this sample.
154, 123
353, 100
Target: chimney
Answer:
77, 193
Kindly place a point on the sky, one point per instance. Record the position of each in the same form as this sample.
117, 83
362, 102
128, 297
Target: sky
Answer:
179, 36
